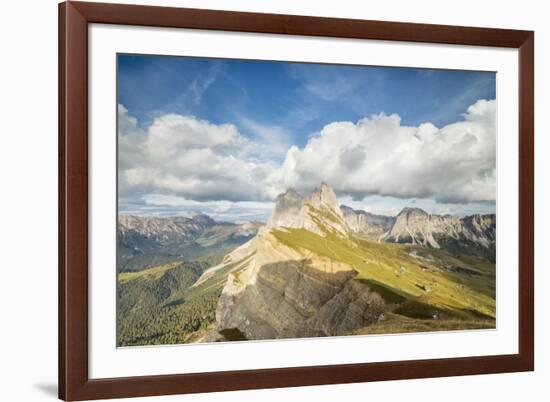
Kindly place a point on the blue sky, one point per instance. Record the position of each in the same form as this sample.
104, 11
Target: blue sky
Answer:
273, 106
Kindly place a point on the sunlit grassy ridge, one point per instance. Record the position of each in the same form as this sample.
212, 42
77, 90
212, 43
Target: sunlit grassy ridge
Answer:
395, 323
314, 214
423, 283
151, 273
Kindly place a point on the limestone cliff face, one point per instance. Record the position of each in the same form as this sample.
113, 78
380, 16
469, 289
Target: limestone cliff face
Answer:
289, 210
316, 213
365, 223
277, 291
413, 225
282, 293
480, 228
292, 299
325, 198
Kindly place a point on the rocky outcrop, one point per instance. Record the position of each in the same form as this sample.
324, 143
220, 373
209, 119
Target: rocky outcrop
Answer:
325, 199
416, 226
289, 210
318, 213
282, 293
274, 290
291, 299
480, 228
365, 223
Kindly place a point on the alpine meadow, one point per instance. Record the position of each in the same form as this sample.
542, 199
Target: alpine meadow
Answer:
262, 200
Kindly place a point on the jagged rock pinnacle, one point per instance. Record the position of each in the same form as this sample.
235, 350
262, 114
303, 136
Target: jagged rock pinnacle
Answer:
295, 211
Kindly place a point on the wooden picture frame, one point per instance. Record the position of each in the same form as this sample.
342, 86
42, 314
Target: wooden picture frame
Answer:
74, 381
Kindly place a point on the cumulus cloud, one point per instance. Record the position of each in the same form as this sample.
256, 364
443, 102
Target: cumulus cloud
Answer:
130, 140
189, 157
379, 155
194, 159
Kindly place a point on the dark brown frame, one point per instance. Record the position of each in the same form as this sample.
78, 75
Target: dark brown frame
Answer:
74, 17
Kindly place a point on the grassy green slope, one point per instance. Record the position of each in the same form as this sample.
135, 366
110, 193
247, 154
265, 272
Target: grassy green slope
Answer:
421, 282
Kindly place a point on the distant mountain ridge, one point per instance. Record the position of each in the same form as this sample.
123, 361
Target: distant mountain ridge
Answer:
147, 240
366, 223
165, 228
470, 233
411, 226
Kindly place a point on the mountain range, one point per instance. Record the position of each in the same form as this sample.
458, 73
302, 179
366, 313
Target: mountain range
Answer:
146, 241
316, 268
473, 234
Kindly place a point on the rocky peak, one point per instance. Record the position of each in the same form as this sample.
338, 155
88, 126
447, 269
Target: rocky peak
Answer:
202, 219
288, 199
413, 212
288, 210
325, 198
481, 221
481, 228
416, 226
315, 213
366, 223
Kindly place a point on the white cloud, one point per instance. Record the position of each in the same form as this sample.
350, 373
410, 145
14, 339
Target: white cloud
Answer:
201, 84
172, 133
271, 141
378, 155
130, 142
189, 157
194, 159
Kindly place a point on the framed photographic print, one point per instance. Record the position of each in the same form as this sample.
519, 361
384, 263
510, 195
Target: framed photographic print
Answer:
259, 200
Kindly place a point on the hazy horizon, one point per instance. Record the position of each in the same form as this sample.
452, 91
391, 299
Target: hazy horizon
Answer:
174, 211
